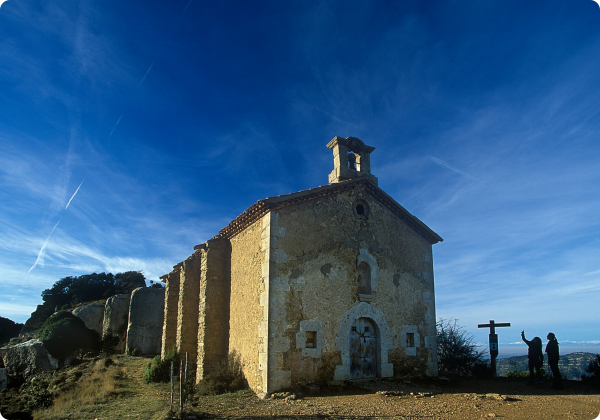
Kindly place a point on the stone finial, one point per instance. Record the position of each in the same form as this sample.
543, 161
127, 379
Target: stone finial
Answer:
347, 151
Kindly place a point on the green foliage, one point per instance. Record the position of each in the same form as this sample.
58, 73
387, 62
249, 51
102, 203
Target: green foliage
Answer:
593, 371
226, 377
456, 352
64, 334
517, 374
136, 352
8, 330
90, 287
69, 291
108, 344
38, 317
160, 370
156, 285
37, 393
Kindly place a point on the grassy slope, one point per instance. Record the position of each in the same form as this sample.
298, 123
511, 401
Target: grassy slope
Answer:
117, 392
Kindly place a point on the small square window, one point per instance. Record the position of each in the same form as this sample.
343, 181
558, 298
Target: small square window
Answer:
311, 339
366, 329
410, 339
353, 329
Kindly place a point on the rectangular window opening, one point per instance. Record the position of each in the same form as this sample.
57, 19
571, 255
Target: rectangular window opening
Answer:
410, 339
311, 339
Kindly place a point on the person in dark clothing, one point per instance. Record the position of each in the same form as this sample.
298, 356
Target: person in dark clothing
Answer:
552, 350
536, 358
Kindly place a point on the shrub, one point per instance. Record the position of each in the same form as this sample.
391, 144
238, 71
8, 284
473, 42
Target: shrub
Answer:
37, 393
136, 352
226, 377
108, 344
160, 370
64, 334
457, 354
593, 371
517, 374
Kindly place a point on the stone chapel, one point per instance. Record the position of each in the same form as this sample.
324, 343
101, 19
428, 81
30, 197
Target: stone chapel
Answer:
328, 284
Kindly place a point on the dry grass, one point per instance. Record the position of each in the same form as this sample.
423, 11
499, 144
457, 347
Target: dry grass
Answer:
96, 387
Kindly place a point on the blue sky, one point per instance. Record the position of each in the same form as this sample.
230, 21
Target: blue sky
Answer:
132, 131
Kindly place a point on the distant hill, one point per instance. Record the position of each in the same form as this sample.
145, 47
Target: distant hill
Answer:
571, 366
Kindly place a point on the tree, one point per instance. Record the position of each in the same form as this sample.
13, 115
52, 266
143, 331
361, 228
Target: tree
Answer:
70, 291
64, 334
457, 353
128, 281
593, 371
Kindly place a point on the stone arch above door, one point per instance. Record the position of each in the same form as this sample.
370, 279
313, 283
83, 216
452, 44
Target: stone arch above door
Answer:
384, 345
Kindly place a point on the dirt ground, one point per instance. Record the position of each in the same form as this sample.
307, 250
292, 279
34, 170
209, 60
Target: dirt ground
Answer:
471, 399
414, 399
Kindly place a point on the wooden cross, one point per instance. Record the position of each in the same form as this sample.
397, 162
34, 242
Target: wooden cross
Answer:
493, 341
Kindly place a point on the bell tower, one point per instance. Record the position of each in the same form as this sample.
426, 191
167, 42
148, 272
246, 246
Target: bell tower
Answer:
351, 159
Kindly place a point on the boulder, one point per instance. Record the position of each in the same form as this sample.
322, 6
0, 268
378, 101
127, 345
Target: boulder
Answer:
146, 315
3, 379
92, 315
116, 315
27, 359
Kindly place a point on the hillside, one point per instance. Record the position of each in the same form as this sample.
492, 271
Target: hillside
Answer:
571, 366
113, 389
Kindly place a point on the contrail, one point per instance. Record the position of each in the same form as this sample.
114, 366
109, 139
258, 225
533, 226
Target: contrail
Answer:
447, 165
73, 196
186, 7
148, 71
43, 246
158, 53
115, 126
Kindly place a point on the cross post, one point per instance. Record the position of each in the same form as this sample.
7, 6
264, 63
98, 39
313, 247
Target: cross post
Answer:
493, 341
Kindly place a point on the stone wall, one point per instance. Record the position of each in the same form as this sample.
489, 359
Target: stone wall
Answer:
189, 299
213, 318
248, 334
116, 316
146, 315
316, 249
169, 336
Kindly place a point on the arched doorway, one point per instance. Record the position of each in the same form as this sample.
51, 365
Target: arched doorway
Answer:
363, 349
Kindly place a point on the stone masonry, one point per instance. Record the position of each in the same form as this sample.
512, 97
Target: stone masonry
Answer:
297, 283
189, 300
169, 337
213, 322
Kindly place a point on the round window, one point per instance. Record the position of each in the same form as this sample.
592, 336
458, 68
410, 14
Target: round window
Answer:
361, 209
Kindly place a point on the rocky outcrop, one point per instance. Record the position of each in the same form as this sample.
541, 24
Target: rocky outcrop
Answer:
146, 314
92, 315
116, 314
27, 359
3, 379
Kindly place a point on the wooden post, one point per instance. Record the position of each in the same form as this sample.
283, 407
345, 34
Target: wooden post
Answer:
181, 389
171, 389
187, 358
493, 341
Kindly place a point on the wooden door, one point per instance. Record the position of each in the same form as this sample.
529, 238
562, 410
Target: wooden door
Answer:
363, 350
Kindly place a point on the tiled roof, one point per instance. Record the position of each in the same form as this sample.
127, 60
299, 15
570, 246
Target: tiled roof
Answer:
261, 207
